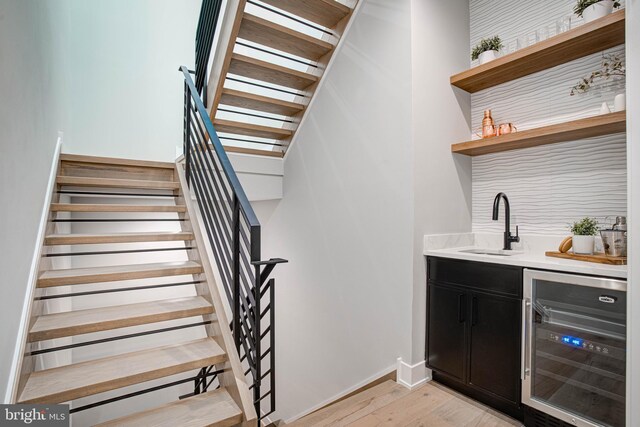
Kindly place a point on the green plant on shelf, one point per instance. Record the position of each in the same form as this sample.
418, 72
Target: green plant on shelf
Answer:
612, 66
585, 227
492, 43
582, 5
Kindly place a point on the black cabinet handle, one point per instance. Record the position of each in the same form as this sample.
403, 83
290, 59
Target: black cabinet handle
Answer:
474, 311
461, 308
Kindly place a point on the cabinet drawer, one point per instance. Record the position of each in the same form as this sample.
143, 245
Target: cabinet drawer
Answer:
505, 279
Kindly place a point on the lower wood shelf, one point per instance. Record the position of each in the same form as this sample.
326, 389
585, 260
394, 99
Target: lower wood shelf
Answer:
600, 125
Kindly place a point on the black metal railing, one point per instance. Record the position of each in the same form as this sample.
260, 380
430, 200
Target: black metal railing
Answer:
207, 24
233, 230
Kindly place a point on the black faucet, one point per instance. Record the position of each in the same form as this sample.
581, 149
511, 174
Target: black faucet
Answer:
508, 238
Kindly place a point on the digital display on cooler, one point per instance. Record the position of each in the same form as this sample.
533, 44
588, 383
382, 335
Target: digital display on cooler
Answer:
574, 341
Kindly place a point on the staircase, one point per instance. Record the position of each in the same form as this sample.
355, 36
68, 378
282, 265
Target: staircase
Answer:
267, 63
112, 287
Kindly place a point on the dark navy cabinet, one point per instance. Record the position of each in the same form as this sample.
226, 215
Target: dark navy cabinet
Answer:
473, 330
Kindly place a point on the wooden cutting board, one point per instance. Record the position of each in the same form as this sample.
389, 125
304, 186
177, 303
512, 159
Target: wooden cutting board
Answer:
599, 258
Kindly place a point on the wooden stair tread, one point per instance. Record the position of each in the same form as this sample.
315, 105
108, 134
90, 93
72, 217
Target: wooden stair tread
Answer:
80, 207
81, 239
251, 101
257, 69
75, 276
213, 408
248, 129
78, 380
253, 151
267, 33
79, 322
116, 183
115, 161
324, 12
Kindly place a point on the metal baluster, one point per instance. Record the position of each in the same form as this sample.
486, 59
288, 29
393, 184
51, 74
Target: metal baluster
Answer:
272, 342
256, 336
235, 257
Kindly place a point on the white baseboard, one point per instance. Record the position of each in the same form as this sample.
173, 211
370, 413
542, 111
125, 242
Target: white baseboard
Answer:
342, 394
412, 376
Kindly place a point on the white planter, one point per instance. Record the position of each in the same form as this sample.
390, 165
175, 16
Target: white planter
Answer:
620, 102
488, 55
598, 10
583, 245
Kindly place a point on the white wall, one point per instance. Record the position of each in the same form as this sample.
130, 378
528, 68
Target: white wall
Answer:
123, 93
442, 181
345, 222
29, 119
633, 156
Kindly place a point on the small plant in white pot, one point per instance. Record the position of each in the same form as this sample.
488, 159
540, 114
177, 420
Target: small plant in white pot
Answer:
591, 10
584, 232
487, 50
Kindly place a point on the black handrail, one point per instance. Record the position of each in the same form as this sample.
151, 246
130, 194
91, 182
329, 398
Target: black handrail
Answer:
226, 166
233, 231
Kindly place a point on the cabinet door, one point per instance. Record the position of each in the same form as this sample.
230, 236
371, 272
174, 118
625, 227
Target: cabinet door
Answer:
494, 358
446, 316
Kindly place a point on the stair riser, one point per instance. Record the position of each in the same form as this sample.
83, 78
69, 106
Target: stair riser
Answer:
116, 183
62, 207
87, 170
90, 240
126, 381
121, 323
116, 277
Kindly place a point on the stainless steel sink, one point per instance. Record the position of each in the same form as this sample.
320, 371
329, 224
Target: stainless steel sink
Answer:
496, 252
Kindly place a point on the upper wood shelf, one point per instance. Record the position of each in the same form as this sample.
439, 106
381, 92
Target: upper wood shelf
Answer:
593, 37
605, 124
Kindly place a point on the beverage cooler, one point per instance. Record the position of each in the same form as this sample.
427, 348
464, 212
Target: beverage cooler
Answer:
574, 347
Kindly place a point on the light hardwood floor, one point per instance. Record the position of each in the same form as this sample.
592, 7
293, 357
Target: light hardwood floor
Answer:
390, 404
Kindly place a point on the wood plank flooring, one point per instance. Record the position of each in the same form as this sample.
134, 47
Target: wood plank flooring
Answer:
390, 404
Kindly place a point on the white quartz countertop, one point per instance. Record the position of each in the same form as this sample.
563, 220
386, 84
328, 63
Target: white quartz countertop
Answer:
450, 246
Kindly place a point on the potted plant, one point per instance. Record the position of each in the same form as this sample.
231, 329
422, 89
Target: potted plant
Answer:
584, 232
487, 50
612, 70
591, 10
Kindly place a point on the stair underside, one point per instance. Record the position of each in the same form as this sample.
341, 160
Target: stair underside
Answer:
76, 276
324, 12
81, 239
79, 207
242, 150
214, 408
267, 33
96, 376
252, 101
248, 129
271, 73
79, 322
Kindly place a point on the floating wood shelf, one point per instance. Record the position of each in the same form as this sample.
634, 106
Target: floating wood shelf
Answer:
584, 40
605, 124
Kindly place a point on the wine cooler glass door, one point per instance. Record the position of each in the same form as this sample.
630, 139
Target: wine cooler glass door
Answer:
575, 347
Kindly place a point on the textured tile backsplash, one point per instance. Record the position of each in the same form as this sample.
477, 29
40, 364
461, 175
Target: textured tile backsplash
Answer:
548, 186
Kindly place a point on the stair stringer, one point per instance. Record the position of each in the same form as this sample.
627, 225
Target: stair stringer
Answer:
22, 366
232, 378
